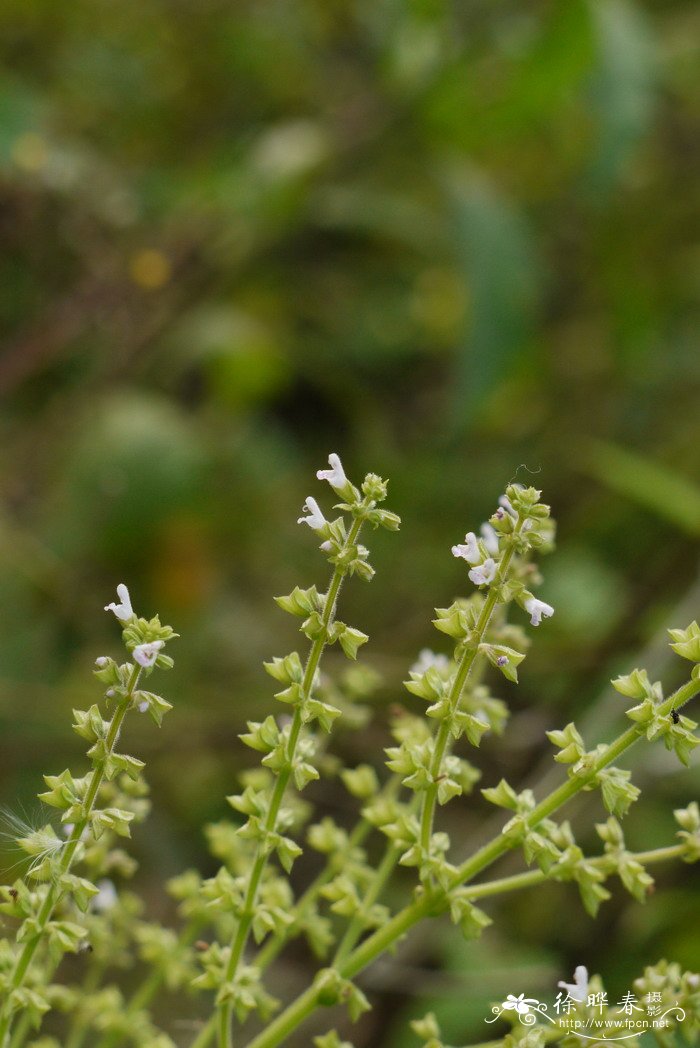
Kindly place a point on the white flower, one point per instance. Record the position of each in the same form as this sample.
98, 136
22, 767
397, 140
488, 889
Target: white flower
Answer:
142, 706
426, 659
146, 654
315, 519
336, 474
102, 661
106, 897
578, 990
468, 550
123, 611
489, 536
537, 610
483, 573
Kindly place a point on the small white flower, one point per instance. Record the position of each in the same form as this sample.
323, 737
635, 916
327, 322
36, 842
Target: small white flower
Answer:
578, 990
426, 659
146, 654
106, 897
537, 610
101, 662
336, 474
123, 611
505, 503
315, 519
489, 536
484, 573
326, 546
468, 550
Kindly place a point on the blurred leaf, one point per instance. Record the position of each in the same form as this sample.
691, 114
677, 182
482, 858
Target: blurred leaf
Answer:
502, 270
651, 484
21, 113
622, 88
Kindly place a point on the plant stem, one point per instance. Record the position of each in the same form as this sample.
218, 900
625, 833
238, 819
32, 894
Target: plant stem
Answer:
54, 892
206, 1034
358, 923
240, 940
81, 1025
460, 679
146, 990
433, 899
531, 877
275, 943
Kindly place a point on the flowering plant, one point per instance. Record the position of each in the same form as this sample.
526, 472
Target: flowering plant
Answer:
235, 923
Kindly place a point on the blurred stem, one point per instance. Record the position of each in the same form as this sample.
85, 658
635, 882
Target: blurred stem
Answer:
358, 923
240, 939
433, 900
465, 666
147, 990
81, 1024
276, 943
54, 892
206, 1034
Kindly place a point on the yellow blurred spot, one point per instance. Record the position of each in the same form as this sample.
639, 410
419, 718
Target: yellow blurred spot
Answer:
440, 303
150, 268
30, 152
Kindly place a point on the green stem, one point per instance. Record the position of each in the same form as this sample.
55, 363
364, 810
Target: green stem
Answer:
81, 1025
276, 943
358, 923
433, 900
531, 877
54, 892
206, 1034
148, 988
240, 940
464, 669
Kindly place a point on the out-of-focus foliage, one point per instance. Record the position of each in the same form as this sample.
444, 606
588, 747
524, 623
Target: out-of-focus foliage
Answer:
443, 239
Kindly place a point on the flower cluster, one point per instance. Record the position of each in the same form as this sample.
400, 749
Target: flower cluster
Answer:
72, 898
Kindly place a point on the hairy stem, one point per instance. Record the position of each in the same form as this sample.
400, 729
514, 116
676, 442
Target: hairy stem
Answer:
460, 679
54, 892
242, 934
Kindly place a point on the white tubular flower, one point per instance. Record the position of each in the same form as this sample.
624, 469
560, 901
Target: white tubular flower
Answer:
426, 659
123, 611
489, 537
537, 610
336, 474
315, 519
146, 654
106, 897
578, 990
468, 550
484, 573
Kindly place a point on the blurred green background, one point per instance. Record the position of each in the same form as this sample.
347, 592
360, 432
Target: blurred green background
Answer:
442, 239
